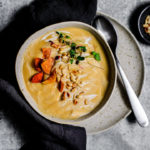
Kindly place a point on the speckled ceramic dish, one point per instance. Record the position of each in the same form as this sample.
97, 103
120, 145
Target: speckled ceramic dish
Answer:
107, 51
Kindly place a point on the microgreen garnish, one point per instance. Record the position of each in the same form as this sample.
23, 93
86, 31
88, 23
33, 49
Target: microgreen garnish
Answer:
67, 42
61, 35
75, 51
80, 58
72, 53
73, 46
67, 37
57, 32
83, 48
96, 55
71, 61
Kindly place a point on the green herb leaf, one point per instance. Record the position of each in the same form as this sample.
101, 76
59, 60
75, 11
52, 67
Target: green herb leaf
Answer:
72, 53
57, 32
96, 56
67, 37
80, 58
67, 42
93, 53
61, 35
71, 61
83, 48
73, 46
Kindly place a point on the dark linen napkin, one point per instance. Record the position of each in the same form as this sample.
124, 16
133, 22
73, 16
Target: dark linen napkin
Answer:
36, 131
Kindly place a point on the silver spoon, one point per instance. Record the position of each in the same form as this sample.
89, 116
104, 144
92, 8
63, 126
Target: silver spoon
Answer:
106, 29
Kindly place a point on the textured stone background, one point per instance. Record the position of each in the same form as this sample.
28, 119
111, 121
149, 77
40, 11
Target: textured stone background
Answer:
126, 135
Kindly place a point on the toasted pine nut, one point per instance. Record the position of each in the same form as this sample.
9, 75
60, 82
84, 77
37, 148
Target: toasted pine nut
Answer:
85, 101
75, 101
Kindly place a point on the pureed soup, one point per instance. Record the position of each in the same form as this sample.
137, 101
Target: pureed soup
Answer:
66, 72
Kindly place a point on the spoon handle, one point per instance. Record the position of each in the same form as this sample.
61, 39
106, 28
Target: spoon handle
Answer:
134, 101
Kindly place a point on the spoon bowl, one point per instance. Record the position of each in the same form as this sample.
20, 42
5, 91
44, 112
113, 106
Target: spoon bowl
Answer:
106, 29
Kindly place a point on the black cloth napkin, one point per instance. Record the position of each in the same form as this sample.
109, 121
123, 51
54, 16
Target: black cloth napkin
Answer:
36, 131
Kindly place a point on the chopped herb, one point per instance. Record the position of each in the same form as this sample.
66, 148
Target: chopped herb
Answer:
63, 41
67, 42
57, 32
96, 56
80, 58
72, 53
71, 61
77, 62
73, 46
93, 53
83, 48
67, 37
61, 35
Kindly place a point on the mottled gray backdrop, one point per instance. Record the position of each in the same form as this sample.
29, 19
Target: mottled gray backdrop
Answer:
125, 135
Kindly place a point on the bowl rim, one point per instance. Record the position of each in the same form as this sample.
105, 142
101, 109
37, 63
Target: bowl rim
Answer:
139, 26
19, 75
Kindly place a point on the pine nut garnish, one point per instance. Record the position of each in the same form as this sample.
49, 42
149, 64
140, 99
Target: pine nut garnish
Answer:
68, 87
68, 94
69, 83
74, 85
73, 90
85, 101
81, 93
67, 76
77, 96
75, 101
58, 78
63, 96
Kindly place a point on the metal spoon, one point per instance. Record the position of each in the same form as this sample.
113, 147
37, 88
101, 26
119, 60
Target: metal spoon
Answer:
106, 29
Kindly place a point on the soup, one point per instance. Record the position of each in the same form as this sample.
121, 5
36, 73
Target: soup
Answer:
66, 72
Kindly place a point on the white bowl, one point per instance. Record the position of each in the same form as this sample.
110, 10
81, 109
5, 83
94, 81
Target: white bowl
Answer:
107, 51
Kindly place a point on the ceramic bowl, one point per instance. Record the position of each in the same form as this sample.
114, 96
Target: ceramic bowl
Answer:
107, 51
141, 20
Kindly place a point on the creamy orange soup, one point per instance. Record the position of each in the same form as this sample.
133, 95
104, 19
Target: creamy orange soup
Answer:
80, 65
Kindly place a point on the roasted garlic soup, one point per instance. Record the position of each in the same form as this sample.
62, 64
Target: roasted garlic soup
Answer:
66, 72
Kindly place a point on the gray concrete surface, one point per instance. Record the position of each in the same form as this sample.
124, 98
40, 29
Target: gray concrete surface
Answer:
123, 136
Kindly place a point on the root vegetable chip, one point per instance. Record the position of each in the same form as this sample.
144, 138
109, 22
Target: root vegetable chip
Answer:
51, 79
37, 78
37, 64
61, 86
46, 52
47, 65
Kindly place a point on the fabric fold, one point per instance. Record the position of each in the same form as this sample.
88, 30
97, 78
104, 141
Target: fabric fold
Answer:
40, 13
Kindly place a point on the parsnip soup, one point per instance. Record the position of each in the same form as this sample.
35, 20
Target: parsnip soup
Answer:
66, 72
